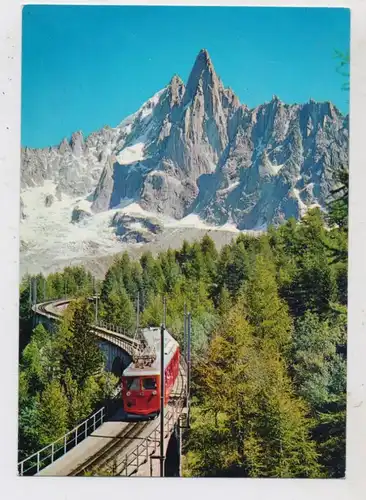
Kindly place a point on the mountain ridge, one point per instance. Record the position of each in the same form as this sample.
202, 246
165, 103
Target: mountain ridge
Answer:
193, 148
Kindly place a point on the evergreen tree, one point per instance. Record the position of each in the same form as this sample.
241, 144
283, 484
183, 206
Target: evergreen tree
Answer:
109, 285
118, 310
170, 269
267, 312
52, 414
34, 362
28, 423
318, 368
256, 426
153, 313
82, 355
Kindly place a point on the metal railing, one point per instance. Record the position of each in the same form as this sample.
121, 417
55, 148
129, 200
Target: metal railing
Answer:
148, 446
47, 455
108, 331
127, 345
113, 328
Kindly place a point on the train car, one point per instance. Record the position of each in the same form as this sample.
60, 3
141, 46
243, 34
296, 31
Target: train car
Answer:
141, 379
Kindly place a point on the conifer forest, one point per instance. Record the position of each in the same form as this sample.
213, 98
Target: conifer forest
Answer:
269, 346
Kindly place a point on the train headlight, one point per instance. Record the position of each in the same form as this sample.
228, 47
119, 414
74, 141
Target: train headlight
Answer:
128, 393
154, 393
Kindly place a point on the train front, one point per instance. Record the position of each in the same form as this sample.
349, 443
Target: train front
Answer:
140, 380
140, 394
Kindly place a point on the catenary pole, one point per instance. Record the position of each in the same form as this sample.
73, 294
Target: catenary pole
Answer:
95, 293
137, 312
162, 390
164, 316
30, 293
96, 308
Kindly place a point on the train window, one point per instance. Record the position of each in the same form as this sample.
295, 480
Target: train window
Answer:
149, 383
133, 383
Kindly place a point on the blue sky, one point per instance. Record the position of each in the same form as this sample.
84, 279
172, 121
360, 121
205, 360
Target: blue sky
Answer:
86, 67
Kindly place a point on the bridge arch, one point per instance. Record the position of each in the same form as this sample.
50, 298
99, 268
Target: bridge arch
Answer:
116, 359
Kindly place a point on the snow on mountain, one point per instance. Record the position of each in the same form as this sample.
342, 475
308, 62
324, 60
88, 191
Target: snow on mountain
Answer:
192, 154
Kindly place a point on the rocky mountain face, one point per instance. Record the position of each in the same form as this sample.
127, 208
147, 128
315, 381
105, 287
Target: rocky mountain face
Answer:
195, 149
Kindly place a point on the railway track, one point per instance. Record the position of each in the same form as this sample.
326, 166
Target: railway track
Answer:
106, 457
114, 455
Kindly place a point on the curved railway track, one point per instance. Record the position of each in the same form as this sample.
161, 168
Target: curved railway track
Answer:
126, 343
112, 455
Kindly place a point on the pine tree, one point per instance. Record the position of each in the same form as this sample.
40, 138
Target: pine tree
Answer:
28, 422
52, 415
125, 314
34, 361
317, 367
267, 312
82, 355
170, 270
109, 285
117, 309
256, 426
153, 313
81, 400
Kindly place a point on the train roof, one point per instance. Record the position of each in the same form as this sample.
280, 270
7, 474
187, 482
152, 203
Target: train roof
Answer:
152, 338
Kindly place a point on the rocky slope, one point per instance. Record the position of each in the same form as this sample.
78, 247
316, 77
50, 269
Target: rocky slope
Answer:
195, 149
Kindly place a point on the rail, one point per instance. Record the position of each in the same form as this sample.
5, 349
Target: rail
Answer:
108, 331
148, 446
39, 460
113, 328
139, 455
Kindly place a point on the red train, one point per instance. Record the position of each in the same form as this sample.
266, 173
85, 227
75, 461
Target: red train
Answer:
141, 379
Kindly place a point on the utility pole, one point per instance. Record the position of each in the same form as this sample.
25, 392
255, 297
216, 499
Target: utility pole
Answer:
96, 308
44, 289
164, 316
34, 294
162, 391
34, 299
188, 366
95, 296
30, 293
137, 311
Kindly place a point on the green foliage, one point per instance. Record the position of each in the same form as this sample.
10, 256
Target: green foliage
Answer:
52, 413
117, 309
153, 313
319, 371
268, 346
331, 439
343, 67
267, 312
82, 354
250, 422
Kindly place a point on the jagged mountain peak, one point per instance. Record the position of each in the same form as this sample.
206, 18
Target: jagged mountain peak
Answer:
202, 75
176, 80
195, 148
